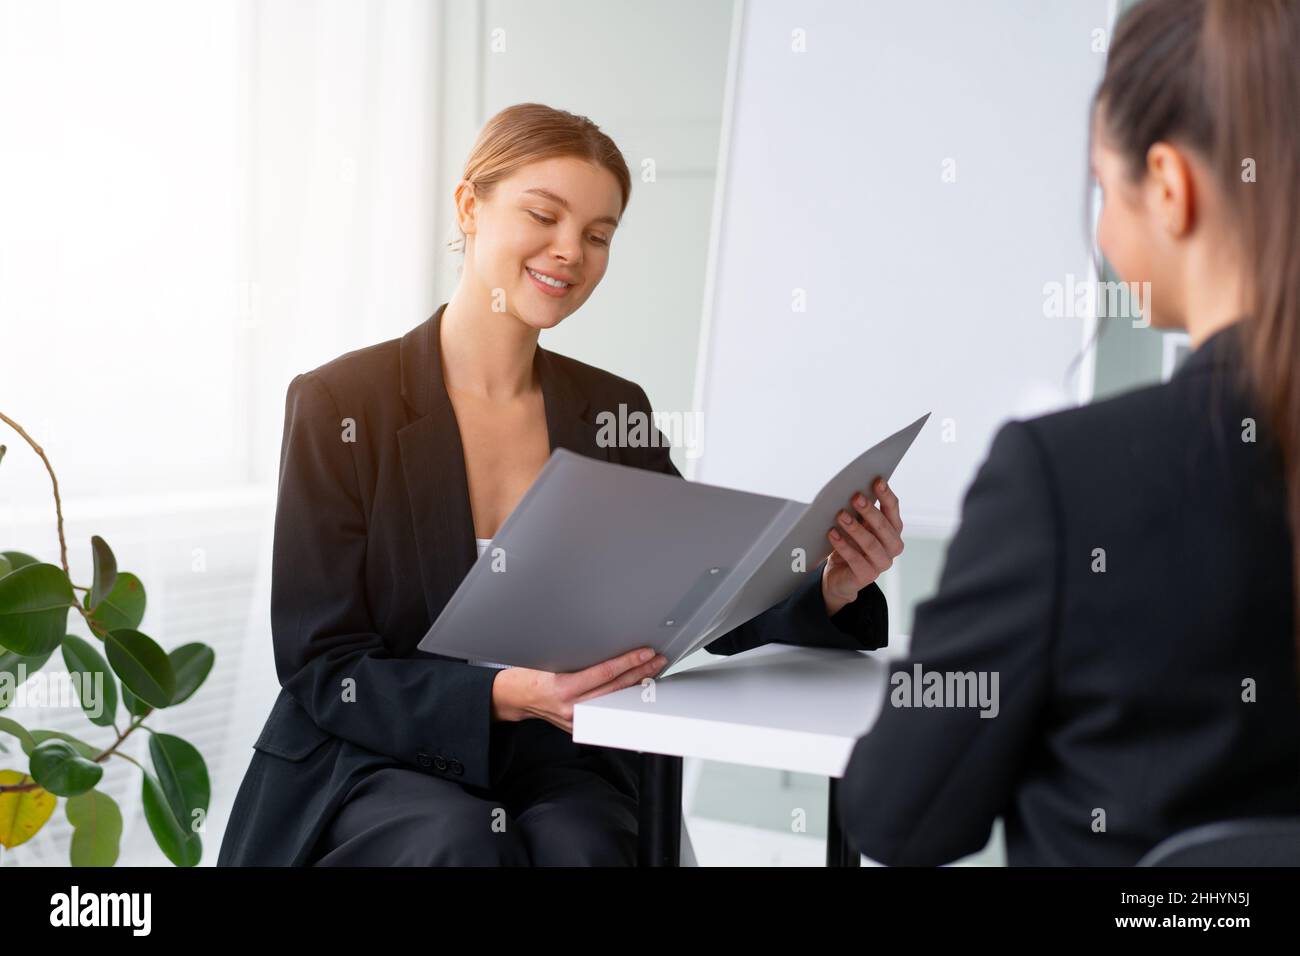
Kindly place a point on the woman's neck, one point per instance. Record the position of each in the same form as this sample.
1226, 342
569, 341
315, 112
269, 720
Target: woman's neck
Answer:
485, 354
1203, 322
1212, 294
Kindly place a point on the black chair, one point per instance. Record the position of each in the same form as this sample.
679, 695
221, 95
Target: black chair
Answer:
1263, 841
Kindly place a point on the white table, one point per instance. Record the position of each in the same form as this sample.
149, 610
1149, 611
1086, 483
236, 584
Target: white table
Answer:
778, 706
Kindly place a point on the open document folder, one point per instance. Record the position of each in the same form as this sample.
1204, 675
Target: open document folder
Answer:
598, 559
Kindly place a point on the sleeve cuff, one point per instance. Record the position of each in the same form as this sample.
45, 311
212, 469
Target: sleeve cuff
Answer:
801, 620
862, 624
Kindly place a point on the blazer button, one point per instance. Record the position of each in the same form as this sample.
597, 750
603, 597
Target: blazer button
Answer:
440, 762
457, 767
423, 760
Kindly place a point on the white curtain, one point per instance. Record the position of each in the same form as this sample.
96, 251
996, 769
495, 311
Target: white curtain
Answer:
342, 245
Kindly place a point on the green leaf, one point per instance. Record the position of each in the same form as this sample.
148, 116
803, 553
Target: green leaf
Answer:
5, 566
105, 571
124, 606
180, 844
96, 828
134, 705
14, 671
17, 559
86, 750
58, 768
83, 660
18, 730
183, 776
142, 666
34, 604
191, 663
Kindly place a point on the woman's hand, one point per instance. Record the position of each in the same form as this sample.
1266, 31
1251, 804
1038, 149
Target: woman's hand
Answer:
519, 693
865, 546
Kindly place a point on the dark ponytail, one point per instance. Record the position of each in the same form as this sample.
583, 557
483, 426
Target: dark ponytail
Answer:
1222, 77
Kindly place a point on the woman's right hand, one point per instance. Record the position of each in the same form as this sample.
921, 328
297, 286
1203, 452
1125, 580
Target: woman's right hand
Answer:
519, 693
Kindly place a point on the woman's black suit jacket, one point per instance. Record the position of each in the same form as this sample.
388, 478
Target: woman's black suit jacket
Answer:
1125, 569
372, 537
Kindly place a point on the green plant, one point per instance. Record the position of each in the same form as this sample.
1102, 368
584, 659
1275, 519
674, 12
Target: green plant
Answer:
35, 599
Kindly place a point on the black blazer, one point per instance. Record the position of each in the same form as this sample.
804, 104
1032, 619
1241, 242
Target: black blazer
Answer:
1121, 691
372, 537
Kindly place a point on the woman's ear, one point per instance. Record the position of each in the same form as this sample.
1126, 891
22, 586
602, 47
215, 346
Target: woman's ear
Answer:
465, 206
1170, 194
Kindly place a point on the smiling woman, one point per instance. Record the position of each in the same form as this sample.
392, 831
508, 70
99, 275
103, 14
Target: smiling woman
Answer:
401, 757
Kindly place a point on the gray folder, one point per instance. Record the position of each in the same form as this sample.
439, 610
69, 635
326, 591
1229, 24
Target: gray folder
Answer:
598, 559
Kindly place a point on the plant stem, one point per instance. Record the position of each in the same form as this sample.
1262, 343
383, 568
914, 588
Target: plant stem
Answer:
58, 503
19, 787
58, 513
133, 760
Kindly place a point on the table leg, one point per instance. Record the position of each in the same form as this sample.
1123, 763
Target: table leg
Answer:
659, 811
839, 852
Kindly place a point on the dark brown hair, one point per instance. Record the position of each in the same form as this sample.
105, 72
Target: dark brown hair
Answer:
1222, 78
528, 132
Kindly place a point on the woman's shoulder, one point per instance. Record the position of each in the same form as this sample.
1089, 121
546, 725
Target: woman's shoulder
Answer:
1148, 445
1201, 399
1207, 387
1106, 420
364, 374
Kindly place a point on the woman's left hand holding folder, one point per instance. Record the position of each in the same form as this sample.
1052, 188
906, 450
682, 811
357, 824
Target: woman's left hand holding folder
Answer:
865, 543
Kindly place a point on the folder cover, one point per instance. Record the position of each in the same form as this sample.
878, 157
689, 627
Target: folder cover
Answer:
598, 559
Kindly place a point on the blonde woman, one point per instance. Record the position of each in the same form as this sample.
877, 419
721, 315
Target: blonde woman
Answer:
376, 753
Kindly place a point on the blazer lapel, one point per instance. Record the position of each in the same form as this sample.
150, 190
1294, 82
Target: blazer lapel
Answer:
433, 456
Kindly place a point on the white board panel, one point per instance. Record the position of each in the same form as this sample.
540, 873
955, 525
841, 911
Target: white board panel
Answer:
924, 292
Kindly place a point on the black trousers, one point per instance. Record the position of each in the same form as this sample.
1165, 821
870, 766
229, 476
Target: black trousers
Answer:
547, 809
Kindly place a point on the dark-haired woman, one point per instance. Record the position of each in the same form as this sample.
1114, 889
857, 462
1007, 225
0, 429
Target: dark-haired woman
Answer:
1127, 569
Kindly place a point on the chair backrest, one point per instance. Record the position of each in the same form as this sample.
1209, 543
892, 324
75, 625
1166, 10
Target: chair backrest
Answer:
1263, 841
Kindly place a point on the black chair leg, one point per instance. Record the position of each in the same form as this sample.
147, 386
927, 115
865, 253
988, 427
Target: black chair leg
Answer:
839, 852
659, 825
